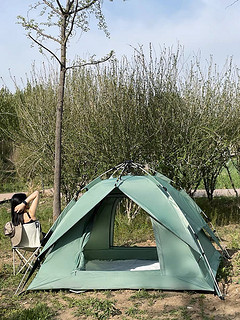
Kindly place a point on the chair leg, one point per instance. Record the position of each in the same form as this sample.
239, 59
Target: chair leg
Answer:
28, 265
25, 261
23, 278
14, 272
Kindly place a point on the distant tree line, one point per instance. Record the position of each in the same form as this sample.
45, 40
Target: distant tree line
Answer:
180, 118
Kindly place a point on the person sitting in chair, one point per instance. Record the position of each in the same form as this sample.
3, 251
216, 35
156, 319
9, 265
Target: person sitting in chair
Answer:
24, 208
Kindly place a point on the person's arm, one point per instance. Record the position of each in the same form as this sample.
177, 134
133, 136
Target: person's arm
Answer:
34, 198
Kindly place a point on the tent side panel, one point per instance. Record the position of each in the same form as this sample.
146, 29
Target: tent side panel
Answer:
213, 256
175, 256
63, 258
185, 203
100, 237
159, 206
87, 202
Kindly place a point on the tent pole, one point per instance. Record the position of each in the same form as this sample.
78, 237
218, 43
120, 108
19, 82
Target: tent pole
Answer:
222, 247
219, 293
126, 165
116, 168
141, 168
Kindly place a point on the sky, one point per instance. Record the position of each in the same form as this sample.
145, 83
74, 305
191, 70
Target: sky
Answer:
203, 27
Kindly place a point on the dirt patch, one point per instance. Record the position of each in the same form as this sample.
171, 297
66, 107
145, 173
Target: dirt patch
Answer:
158, 304
161, 305
136, 304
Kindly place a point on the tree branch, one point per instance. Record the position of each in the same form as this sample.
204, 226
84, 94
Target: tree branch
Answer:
69, 5
51, 6
72, 22
60, 7
90, 63
44, 35
42, 46
230, 5
85, 7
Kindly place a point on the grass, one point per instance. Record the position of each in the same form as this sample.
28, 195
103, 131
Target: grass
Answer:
127, 233
149, 296
121, 304
100, 309
39, 312
221, 210
223, 180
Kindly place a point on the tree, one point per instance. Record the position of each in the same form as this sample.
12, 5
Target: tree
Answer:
65, 19
8, 120
140, 109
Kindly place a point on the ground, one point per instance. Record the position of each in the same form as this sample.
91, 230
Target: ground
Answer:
132, 304
124, 304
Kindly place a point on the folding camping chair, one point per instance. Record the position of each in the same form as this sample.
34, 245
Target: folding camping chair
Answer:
25, 253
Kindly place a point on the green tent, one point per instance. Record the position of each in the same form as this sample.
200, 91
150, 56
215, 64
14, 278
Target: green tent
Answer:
80, 254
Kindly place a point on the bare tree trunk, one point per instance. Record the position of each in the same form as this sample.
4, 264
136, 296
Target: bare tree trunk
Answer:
75, 14
58, 132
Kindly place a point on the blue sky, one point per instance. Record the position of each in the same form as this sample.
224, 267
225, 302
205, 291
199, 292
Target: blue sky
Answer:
209, 27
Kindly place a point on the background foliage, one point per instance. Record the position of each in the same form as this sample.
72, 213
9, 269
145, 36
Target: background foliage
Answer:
157, 109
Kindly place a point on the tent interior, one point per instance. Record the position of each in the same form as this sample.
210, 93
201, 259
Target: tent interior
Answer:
104, 252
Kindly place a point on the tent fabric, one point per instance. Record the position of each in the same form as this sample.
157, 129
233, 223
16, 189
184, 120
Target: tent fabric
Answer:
62, 215
84, 234
188, 206
86, 280
185, 203
88, 201
146, 195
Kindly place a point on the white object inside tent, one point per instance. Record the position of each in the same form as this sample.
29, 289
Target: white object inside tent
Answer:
122, 265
